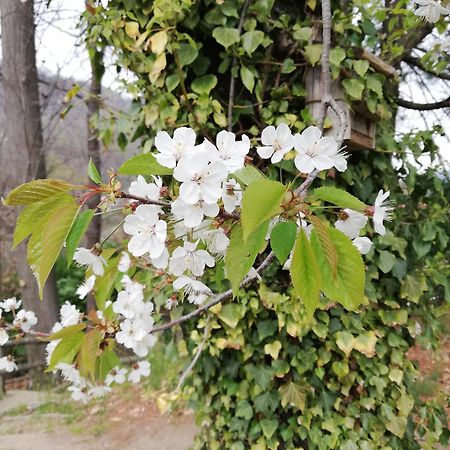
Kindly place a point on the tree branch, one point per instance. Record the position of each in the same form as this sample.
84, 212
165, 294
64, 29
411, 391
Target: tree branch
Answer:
423, 106
413, 61
141, 199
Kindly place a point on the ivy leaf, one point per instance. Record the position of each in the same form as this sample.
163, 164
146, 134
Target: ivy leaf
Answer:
36, 191
158, 42
260, 202
282, 239
337, 55
247, 175
252, 40
347, 287
226, 36
53, 237
143, 164
413, 287
340, 368
248, 79
88, 354
386, 262
268, 427
345, 341
361, 67
79, 227
205, 84
93, 172
187, 54
305, 273
339, 198
273, 349
374, 84
354, 88
66, 350
294, 394
313, 53
242, 254
132, 29
230, 314
365, 343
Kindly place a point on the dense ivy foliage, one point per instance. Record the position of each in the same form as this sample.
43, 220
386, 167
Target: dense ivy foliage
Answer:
268, 378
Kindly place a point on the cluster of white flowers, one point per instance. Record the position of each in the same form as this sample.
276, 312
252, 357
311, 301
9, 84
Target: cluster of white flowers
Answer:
23, 321
430, 10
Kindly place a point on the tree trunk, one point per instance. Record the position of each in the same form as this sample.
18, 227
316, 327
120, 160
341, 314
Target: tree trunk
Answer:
93, 145
22, 153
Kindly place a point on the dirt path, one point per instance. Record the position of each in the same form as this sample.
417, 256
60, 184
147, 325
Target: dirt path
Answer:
28, 423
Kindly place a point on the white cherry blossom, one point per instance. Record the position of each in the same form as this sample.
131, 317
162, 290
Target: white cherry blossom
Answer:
430, 10
150, 191
117, 375
201, 178
147, 231
87, 258
7, 364
139, 370
363, 244
381, 212
128, 304
196, 291
217, 241
10, 304
351, 223
315, 151
79, 393
71, 374
25, 320
189, 258
124, 262
98, 391
231, 195
3, 337
192, 215
86, 287
171, 150
69, 314
276, 142
162, 261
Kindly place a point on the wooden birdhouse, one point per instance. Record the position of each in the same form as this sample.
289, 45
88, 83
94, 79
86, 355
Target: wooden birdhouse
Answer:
361, 129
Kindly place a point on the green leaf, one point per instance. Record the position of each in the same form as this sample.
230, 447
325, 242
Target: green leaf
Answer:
242, 254
204, 84
386, 261
143, 164
302, 34
374, 84
273, 349
294, 394
87, 357
313, 53
79, 227
93, 172
252, 40
347, 287
230, 314
187, 54
345, 341
66, 350
226, 36
354, 88
361, 67
282, 239
248, 79
36, 191
329, 250
337, 55
365, 343
247, 175
413, 287
53, 237
305, 273
340, 368
268, 427
260, 202
396, 425
67, 331
106, 362
32, 213
339, 198
104, 285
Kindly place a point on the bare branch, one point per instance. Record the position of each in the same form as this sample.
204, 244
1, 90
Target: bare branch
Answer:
423, 106
413, 61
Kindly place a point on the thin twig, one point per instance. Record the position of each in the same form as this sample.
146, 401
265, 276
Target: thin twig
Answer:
233, 65
200, 348
145, 201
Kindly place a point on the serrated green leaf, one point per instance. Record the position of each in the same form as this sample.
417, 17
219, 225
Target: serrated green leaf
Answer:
106, 362
226, 36
36, 191
67, 331
348, 286
305, 273
282, 238
242, 254
79, 227
93, 173
66, 350
248, 79
53, 237
205, 84
143, 164
251, 40
339, 198
294, 394
104, 285
329, 250
247, 175
31, 214
260, 202
88, 354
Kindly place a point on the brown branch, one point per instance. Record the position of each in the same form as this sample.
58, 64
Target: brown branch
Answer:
423, 106
141, 199
233, 65
413, 61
